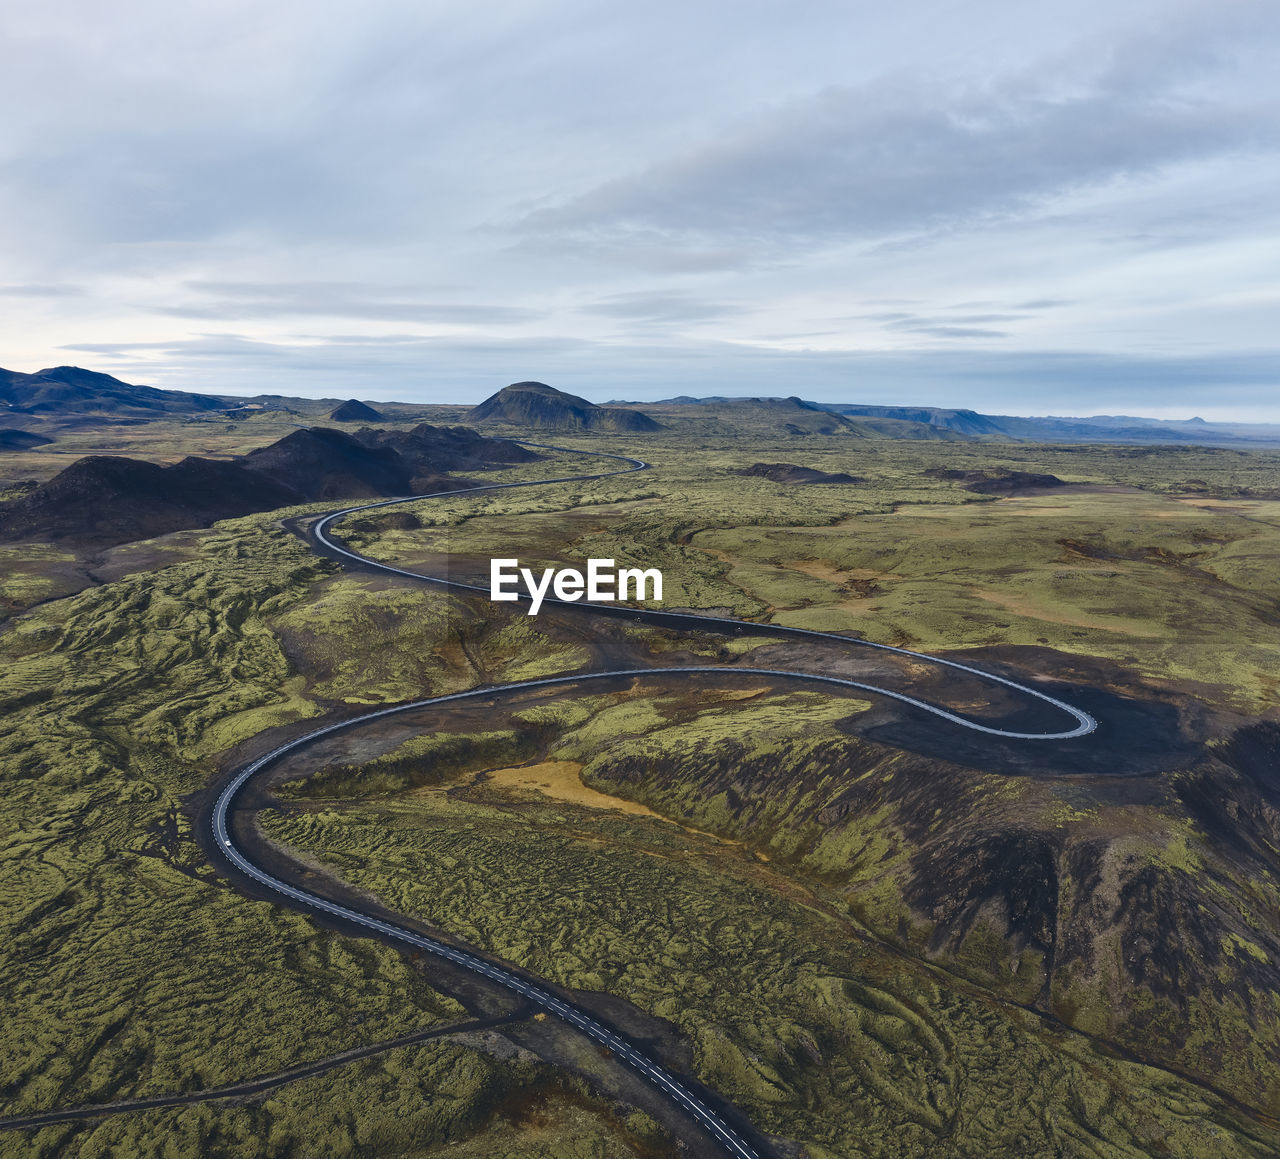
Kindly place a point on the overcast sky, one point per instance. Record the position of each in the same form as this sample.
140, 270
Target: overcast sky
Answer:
1022, 207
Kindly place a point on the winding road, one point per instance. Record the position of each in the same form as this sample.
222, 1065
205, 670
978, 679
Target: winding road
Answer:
732, 1140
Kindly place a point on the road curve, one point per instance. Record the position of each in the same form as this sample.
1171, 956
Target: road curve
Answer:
322, 530
667, 1085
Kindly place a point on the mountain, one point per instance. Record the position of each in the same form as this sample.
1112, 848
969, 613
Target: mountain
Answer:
321, 463
104, 500
354, 411
542, 407
21, 440
722, 414
70, 390
1131, 429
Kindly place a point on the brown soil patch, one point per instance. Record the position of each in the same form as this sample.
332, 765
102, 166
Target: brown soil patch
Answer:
560, 781
741, 693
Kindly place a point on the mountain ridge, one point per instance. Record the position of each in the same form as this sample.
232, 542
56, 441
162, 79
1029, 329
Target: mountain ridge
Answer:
103, 500
72, 390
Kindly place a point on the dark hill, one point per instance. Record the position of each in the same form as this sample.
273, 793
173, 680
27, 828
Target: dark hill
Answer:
354, 411
998, 481
791, 473
427, 449
320, 463
21, 440
71, 390
536, 405
104, 500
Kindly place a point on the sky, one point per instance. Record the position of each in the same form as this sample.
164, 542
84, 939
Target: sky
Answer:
1020, 207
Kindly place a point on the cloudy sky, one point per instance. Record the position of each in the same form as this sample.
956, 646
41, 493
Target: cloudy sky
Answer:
1022, 207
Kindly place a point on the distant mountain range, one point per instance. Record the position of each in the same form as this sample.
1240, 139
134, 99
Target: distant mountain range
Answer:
727, 417
69, 389
971, 424
51, 400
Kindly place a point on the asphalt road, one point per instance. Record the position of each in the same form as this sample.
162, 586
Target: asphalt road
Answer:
732, 1140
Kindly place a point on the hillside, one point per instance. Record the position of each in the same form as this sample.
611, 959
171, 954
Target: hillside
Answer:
103, 500
541, 407
426, 449
322, 463
964, 422
66, 390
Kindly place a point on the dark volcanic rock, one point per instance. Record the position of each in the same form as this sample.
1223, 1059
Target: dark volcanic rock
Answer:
534, 404
997, 481
426, 449
103, 499
21, 440
354, 411
790, 473
318, 463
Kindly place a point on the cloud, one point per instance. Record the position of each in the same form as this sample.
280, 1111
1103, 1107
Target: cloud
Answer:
900, 157
938, 331
39, 290
234, 301
659, 308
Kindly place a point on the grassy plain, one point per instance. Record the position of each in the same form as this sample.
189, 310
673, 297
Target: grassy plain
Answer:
1161, 559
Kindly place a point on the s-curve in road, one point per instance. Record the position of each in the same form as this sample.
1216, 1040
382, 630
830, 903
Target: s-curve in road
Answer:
737, 1141
325, 536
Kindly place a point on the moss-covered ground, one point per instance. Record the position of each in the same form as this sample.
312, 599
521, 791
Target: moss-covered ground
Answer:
825, 989
128, 968
766, 956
